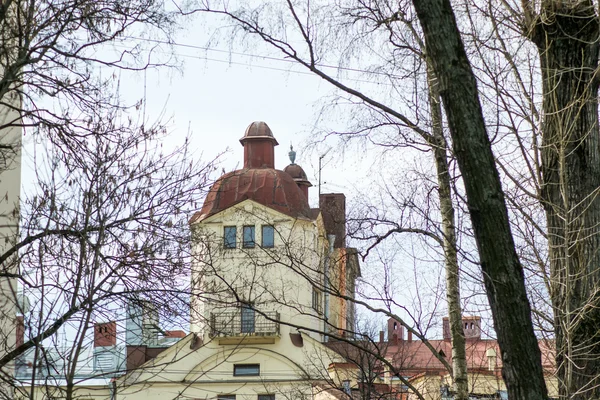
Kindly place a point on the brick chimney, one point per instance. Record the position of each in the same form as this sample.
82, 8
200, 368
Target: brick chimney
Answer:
395, 331
471, 327
19, 330
105, 334
259, 146
333, 208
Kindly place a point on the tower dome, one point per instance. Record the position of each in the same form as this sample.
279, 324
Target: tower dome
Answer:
259, 146
297, 173
258, 180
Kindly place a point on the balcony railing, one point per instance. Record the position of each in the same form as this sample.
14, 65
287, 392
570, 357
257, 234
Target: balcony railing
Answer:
244, 322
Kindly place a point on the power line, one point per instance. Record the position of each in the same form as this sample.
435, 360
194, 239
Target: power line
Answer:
250, 55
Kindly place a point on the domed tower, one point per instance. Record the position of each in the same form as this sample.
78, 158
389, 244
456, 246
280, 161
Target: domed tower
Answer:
297, 173
255, 227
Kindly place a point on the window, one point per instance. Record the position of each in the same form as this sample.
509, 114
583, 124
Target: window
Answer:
226, 397
268, 236
246, 370
229, 237
248, 236
316, 300
266, 397
247, 320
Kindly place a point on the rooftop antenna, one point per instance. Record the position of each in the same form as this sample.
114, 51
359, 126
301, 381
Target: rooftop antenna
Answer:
320, 168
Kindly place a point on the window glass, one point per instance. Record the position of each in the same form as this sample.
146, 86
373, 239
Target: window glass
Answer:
249, 236
229, 237
226, 397
246, 370
266, 397
316, 300
268, 236
247, 320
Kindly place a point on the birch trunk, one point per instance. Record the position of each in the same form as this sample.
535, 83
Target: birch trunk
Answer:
439, 146
502, 271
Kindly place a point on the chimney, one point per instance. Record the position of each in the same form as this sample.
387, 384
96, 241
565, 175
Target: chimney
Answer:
446, 329
395, 331
471, 327
333, 208
491, 356
381, 337
19, 330
259, 146
409, 337
105, 334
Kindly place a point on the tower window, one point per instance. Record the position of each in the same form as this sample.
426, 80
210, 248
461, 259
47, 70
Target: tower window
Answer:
248, 236
246, 370
229, 237
316, 300
268, 236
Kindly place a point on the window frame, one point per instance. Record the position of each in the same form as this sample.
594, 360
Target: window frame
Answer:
226, 243
246, 244
236, 368
272, 236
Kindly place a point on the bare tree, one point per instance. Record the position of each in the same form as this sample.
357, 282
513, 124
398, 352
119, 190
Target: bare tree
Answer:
105, 220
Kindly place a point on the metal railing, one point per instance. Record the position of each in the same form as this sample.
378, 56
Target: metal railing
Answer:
244, 322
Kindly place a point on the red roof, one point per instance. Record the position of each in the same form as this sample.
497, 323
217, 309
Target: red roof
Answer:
413, 358
270, 187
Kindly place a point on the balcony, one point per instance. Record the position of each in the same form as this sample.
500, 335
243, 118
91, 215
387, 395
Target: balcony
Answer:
245, 325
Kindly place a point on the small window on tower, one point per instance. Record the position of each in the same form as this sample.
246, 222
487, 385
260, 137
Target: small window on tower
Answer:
248, 236
316, 301
268, 236
229, 237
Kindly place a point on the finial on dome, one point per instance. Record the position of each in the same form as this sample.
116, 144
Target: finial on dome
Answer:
292, 154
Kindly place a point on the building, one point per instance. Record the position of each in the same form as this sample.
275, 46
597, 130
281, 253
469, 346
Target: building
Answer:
10, 190
272, 279
411, 362
271, 313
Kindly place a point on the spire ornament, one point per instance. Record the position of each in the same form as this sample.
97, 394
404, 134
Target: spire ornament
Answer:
292, 155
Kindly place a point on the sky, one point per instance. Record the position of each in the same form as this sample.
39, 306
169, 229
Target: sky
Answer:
215, 95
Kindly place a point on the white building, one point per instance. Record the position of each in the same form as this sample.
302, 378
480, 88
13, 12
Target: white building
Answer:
272, 278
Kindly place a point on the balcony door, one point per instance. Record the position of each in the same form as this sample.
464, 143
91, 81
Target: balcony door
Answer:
247, 320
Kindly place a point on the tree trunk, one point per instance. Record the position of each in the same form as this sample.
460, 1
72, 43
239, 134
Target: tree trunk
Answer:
457, 333
502, 271
567, 39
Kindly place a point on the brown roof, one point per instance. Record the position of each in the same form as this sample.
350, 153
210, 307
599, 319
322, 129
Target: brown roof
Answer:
270, 187
414, 357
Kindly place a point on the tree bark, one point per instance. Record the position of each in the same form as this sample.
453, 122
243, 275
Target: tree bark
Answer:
502, 271
457, 333
566, 35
